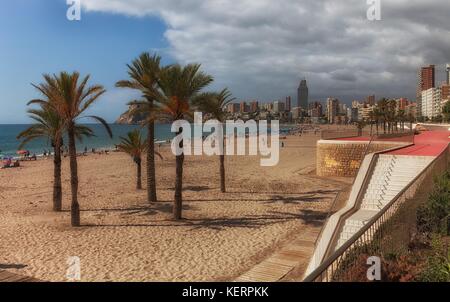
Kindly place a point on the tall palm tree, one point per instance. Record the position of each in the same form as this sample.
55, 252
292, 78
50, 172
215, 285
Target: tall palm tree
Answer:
392, 115
214, 104
179, 86
401, 117
446, 111
360, 126
48, 125
372, 120
383, 111
135, 146
144, 73
70, 98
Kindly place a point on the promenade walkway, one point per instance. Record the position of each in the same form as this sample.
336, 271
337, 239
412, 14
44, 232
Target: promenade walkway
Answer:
293, 257
429, 143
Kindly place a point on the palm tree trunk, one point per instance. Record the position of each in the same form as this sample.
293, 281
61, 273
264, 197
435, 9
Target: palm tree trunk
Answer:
75, 207
222, 173
139, 174
151, 175
57, 187
178, 205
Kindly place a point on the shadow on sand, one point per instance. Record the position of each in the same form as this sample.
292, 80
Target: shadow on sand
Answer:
308, 217
12, 266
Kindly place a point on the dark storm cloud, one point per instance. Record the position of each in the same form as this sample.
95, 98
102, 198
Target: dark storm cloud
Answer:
262, 48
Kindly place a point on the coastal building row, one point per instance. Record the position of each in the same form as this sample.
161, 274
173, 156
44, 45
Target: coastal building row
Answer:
431, 97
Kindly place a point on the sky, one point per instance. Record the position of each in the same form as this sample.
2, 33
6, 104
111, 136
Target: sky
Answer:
260, 49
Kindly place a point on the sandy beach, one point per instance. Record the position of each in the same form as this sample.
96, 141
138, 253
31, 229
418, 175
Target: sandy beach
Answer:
124, 238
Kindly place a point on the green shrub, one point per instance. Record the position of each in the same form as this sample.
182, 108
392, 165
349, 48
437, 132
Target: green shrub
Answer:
438, 263
432, 217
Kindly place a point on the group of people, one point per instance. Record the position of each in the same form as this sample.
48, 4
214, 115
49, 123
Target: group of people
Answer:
10, 163
94, 151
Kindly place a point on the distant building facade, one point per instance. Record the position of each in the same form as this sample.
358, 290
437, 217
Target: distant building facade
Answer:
254, 106
233, 108
243, 107
426, 81
302, 95
332, 110
288, 103
370, 100
278, 107
431, 103
448, 73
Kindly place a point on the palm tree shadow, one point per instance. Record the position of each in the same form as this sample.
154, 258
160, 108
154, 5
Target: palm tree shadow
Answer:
192, 188
144, 210
12, 266
295, 199
230, 191
309, 217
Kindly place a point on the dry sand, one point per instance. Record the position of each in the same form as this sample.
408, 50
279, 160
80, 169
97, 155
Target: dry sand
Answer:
124, 238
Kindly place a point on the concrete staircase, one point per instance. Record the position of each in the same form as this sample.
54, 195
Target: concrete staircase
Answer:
391, 175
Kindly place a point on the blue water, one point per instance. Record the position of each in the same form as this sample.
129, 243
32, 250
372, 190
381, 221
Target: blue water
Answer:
9, 144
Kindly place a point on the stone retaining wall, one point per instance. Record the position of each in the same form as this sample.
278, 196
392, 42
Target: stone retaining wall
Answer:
343, 158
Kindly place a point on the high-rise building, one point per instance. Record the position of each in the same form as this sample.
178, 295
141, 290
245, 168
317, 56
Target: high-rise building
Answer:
431, 103
254, 106
402, 103
297, 113
303, 95
243, 107
427, 77
332, 110
411, 111
426, 81
288, 104
364, 112
445, 93
354, 114
370, 100
233, 108
315, 110
448, 73
278, 107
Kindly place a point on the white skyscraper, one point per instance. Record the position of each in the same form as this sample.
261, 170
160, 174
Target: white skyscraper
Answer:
431, 102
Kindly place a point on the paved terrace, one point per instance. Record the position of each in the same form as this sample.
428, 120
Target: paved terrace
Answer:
427, 143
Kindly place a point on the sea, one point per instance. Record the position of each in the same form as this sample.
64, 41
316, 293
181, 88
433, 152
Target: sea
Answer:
9, 144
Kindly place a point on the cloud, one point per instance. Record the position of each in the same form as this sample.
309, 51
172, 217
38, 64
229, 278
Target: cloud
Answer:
262, 48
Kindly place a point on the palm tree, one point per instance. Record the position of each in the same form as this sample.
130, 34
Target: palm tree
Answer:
144, 73
48, 125
134, 145
446, 111
360, 126
401, 117
214, 104
179, 86
372, 120
70, 99
383, 111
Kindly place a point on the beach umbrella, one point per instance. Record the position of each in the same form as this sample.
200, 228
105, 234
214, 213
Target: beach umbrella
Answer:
22, 152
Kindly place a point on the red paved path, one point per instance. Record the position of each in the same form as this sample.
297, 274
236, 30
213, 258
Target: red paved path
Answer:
428, 143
